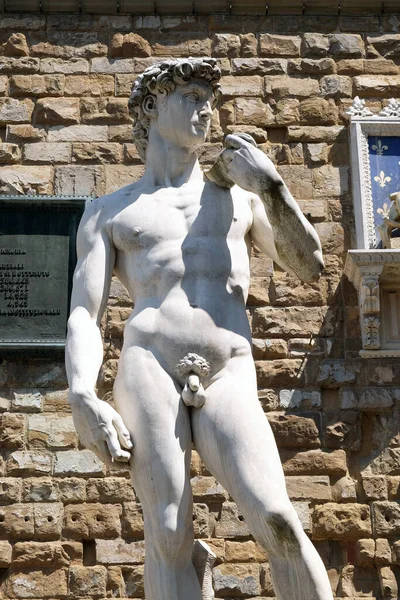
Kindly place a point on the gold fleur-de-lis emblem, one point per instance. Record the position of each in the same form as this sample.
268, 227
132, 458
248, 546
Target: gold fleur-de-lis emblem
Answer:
384, 211
382, 180
379, 147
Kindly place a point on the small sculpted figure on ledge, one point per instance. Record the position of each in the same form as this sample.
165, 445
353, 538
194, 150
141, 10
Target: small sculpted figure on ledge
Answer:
180, 241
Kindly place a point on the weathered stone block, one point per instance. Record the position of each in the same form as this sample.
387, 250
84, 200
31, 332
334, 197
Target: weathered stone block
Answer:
309, 66
241, 86
243, 552
15, 111
375, 487
237, 579
293, 431
315, 44
38, 584
225, 44
365, 553
48, 520
44, 152
71, 489
389, 583
378, 86
132, 520
383, 553
90, 521
104, 110
52, 431
37, 85
386, 519
314, 488
115, 552
12, 429
27, 400
387, 44
207, 489
16, 45
74, 462
118, 176
112, 66
22, 179
279, 45
5, 555
29, 463
294, 321
341, 521
10, 490
88, 581
19, 65
314, 462
259, 66
129, 45
316, 134
299, 399
279, 373
39, 489
89, 85
57, 111
282, 87
9, 153
253, 111
39, 554
78, 133
24, 133
201, 520
78, 66
346, 45
231, 523
344, 490
318, 111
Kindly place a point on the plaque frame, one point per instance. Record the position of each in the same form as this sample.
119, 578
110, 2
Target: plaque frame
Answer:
74, 205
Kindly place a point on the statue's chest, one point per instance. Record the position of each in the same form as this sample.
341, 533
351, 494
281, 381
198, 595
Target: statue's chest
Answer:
169, 218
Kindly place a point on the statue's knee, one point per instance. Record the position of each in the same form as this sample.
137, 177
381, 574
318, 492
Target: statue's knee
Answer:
284, 528
169, 538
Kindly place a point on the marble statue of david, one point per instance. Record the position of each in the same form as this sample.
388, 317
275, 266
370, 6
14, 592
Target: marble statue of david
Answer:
180, 243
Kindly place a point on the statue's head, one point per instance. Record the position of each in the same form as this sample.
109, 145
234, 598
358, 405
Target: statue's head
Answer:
177, 97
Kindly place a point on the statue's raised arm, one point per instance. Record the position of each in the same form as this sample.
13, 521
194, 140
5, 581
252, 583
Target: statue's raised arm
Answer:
279, 227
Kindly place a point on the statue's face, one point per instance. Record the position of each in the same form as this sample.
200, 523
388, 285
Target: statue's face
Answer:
184, 115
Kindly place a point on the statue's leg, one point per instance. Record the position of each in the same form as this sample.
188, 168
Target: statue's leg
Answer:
235, 440
151, 407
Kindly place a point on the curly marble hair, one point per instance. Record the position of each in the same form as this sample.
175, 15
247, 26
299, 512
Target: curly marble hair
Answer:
163, 78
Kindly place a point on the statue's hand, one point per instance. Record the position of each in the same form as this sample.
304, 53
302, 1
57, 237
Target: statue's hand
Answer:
101, 429
245, 165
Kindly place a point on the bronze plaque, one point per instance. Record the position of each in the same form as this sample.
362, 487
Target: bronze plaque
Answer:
37, 261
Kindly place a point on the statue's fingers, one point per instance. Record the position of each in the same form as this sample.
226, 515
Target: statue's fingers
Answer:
239, 140
114, 447
123, 434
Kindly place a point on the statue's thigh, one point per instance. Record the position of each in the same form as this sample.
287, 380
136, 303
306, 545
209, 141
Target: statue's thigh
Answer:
149, 402
235, 440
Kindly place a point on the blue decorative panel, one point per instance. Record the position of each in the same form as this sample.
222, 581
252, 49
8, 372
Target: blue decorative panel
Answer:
384, 159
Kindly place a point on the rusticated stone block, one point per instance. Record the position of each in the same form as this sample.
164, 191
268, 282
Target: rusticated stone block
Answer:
386, 519
39, 489
52, 431
5, 555
314, 462
295, 321
19, 65
315, 44
292, 431
365, 552
24, 521
132, 520
27, 400
38, 584
115, 552
383, 552
79, 180
43, 152
279, 373
316, 134
110, 489
90, 521
377, 86
29, 463
341, 521
282, 87
12, 429
110, 67
39, 554
16, 45
318, 111
225, 44
238, 579
389, 583
134, 577
89, 85
48, 520
24, 133
308, 66
15, 111
78, 66
279, 45
231, 523
104, 110
88, 581
375, 487
344, 490
97, 153
26, 180
241, 86
346, 45
253, 111
243, 552
207, 489
57, 111
118, 176
336, 86
9, 153
201, 520
259, 66
10, 490
356, 578
3, 86
37, 85
129, 45
343, 430
78, 133
306, 487
71, 489
375, 400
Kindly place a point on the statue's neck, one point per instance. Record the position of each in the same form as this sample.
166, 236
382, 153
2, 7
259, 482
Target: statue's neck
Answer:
168, 165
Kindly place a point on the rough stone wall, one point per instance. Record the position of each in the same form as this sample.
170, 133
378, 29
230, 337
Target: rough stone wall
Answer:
71, 528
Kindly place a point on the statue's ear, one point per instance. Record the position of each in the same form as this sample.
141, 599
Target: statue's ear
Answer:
150, 106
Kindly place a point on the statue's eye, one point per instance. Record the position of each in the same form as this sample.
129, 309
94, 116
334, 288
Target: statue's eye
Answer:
193, 97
